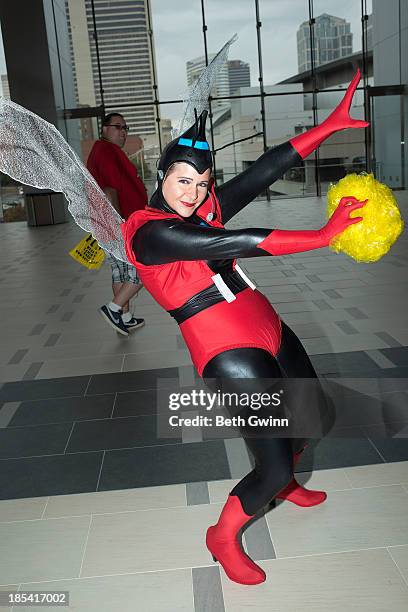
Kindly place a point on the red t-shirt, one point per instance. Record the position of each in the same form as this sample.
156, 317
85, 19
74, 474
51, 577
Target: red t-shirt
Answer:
110, 167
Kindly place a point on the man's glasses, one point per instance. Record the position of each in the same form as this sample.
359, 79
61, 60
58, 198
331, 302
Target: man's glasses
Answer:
118, 126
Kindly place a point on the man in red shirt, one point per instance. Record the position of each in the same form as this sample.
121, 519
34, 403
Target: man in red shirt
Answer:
118, 178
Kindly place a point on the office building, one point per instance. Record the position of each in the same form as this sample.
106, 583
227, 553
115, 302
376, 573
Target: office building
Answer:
238, 75
332, 40
233, 75
5, 86
126, 65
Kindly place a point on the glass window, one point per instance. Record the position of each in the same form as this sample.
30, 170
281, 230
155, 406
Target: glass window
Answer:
178, 39
285, 40
337, 33
286, 116
343, 152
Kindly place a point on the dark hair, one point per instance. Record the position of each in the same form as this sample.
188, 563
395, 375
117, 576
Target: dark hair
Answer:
108, 117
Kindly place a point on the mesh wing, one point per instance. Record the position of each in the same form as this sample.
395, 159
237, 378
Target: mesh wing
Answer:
33, 152
198, 96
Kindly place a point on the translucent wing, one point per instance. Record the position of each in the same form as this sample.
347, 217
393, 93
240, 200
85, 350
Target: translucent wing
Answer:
198, 96
33, 152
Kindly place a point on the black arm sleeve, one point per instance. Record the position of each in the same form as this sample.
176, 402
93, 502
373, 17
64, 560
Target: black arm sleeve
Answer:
159, 242
235, 194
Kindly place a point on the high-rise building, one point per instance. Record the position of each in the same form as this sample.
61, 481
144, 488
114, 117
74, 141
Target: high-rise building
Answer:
5, 86
233, 75
221, 88
238, 75
124, 57
332, 40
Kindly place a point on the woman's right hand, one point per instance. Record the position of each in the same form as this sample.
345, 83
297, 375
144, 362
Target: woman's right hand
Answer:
341, 219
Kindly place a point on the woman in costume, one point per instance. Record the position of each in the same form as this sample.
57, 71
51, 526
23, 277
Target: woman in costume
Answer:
187, 261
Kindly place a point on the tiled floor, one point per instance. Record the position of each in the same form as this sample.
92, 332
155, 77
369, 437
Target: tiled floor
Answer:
94, 502
144, 548
100, 432
51, 327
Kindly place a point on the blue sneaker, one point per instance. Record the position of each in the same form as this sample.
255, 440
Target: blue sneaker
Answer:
114, 319
134, 323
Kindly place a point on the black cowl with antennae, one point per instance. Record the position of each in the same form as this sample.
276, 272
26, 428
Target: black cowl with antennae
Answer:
192, 148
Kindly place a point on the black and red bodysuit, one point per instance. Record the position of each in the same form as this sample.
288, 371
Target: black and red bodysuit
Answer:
189, 265
233, 333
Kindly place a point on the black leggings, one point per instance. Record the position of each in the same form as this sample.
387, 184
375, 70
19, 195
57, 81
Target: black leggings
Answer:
273, 456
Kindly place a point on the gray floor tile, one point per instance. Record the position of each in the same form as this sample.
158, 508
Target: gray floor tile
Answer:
51, 475
116, 433
33, 370
160, 465
33, 441
365, 580
197, 493
390, 340
7, 412
207, 589
238, 459
37, 329
397, 355
346, 327
356, 313
380, 359
356, 361
53, 308
392, 450
43, 389
93, 364
332, 453
144, 592
60, 410
323, 305
332, 293
33, 549
52, 340
258, 540
129, 381
137, 403
18, 356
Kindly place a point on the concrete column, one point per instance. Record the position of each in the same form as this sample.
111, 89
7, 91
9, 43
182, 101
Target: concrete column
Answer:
27, 56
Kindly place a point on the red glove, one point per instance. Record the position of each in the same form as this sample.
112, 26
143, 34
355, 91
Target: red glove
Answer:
338, 120
283, 242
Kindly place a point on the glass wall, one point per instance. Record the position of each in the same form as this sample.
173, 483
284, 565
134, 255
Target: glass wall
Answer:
289, 67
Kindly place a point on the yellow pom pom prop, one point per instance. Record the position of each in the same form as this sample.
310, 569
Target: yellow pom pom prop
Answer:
373, 237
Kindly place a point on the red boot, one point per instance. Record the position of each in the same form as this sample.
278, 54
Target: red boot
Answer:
297, 494
222, 543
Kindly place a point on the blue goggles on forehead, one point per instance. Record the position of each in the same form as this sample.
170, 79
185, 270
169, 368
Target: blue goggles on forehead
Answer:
199, 144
